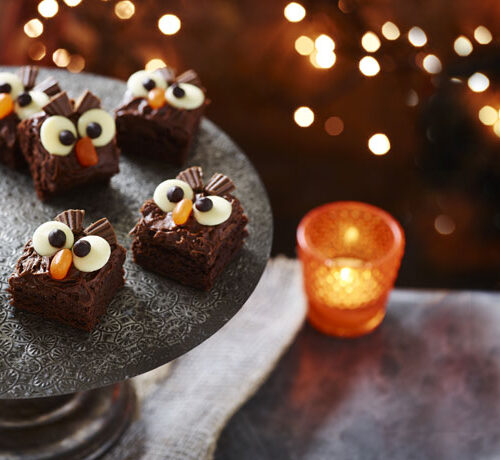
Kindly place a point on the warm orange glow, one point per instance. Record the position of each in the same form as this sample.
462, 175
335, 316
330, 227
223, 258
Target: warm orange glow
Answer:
444, 224
303, 116
370, 42
496, 128
379, 144
488, 115
169, 24
369, 66
61, 57
155, 64
304, 45
482, 35
294, 12
390, 31
33, 28
76, 63
334, 126
48, 8
37, 51
125, 9
412, 98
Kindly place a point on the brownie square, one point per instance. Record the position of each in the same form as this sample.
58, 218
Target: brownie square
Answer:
165, 133
81, 298
191, 253
53, 174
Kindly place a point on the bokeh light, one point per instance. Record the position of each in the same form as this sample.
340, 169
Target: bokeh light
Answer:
369, 66
412, 98
370, 42
33, 28
462, 46
379, 144
324, 43
37, 51
169, 24
496, 128
334, 126
488, 115
478, 82
124, 9
61, 57
482, 35
76, 63
417, 37
390, 31
294, 12
48, 8
303, 116
304, 45
444, 224
72, 2
154, 64
323, 59
432, 64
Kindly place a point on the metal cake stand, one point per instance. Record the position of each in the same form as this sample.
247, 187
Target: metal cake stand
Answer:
64, 392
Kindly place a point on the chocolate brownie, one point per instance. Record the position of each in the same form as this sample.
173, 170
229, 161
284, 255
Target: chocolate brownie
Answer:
160, 114
70, 144
189, 231
67, 273
20, 99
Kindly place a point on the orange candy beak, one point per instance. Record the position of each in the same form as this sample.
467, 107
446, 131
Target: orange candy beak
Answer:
6, 105
182, 211
156, 98
60, 264
85, 152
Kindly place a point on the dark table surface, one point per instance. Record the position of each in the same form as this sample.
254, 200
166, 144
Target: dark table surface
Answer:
425, 385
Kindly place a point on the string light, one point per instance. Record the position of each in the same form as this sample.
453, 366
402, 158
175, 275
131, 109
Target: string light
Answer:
303, 116
48, 8
76, 64
462, 46
72, 3
488, 115
432, 64
294, 12
37, 51
444, 224
323, 59
370, 42
334, 126
124, 9
155, 64
33, 28
61, 57
478, 82
324, 43
390, 31
379, 144
169, 24
304, 45
417, 37
369, 66
482, 35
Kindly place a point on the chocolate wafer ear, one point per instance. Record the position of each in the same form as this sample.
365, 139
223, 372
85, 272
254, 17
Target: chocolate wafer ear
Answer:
86, 102
193, 176
190, 76
73, 218
49, 86
219, 184
104, 229
167, 73
28, 76
60, 104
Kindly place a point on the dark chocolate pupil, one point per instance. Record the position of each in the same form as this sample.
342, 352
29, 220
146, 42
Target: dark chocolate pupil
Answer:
5, 88
24, 99
57, 238
204, 204
178, 92
175, 194
66, 137
149, 84
94, 130
81, 248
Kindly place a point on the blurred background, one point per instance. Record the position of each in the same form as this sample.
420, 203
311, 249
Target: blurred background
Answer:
394, 103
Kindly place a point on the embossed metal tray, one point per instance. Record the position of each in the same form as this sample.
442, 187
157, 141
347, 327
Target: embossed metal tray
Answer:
152, 320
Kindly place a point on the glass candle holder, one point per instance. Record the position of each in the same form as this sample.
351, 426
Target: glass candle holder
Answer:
350, 254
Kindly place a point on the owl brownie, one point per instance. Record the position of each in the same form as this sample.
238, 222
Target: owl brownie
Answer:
69, 144
190, 231
20, 99
67, 273
160, 115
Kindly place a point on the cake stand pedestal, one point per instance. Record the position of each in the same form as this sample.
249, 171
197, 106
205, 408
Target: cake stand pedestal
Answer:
60, 390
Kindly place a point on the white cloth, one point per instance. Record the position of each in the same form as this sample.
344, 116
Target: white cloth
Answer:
184, 406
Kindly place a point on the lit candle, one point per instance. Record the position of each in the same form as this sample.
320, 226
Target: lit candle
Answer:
351, 254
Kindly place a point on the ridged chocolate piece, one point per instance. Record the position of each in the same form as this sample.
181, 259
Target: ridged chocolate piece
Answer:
189, 76
59, 105
193, 176
167, 73
86, 102
28, 76
49, 86
73, 218
219, 184
104, 229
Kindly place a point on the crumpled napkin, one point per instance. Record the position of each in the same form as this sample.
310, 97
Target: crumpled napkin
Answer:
184, 406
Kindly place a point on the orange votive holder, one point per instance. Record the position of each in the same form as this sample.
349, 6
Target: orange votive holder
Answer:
350, 254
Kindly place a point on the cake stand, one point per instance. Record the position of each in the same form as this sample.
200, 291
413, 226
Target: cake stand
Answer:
63, 392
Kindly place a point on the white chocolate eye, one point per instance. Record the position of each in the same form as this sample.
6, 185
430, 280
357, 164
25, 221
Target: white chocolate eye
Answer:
11, 84
219, 212
170, 192
184, 96
97, 124
35, 101
52, 236
58, 135
91, 253
141, 82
